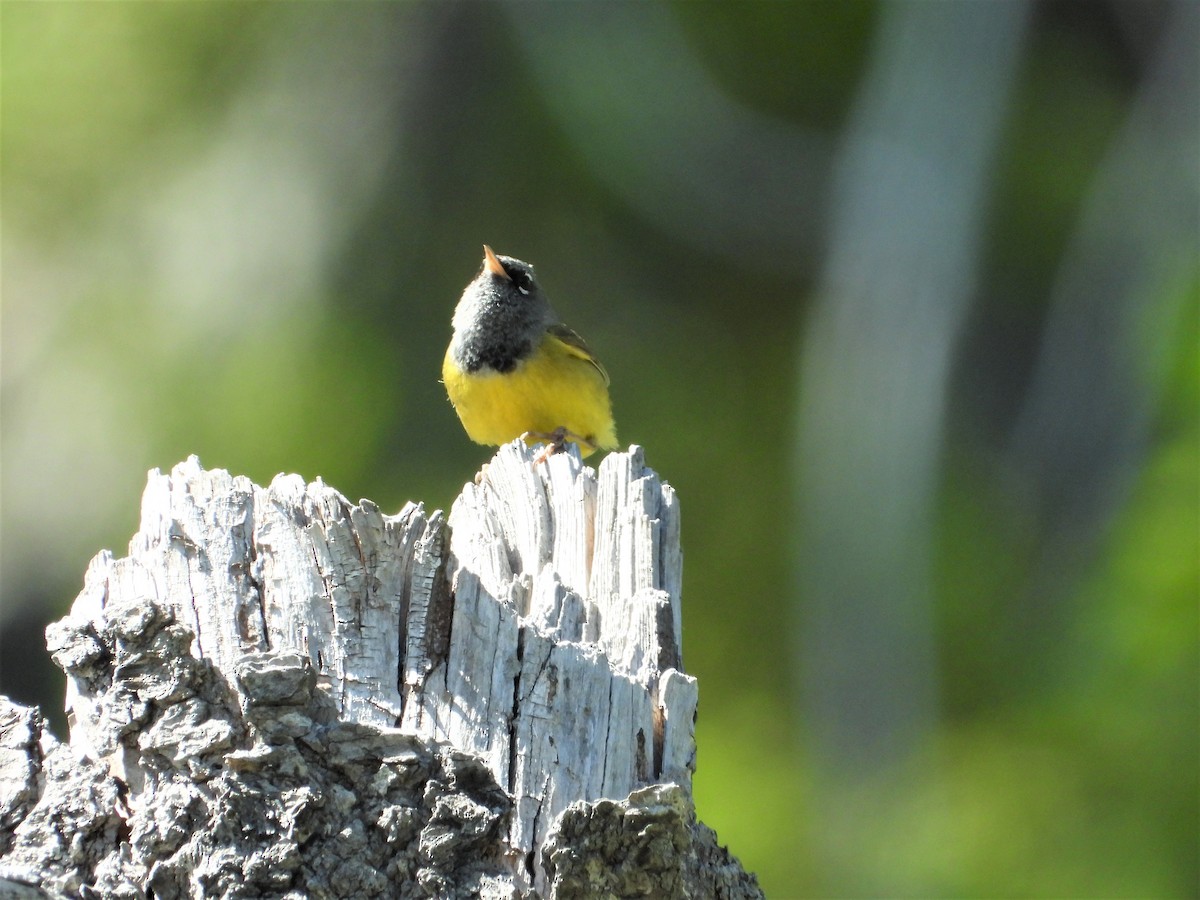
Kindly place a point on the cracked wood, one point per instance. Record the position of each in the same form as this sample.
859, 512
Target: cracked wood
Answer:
537, 626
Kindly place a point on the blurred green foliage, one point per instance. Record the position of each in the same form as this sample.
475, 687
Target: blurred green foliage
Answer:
239, 230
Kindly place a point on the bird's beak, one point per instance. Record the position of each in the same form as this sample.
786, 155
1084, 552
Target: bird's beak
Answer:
492, 264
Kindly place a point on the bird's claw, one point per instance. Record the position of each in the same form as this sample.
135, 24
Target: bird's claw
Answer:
556, 441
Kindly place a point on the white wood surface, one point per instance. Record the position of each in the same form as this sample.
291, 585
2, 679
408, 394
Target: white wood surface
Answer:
536, 626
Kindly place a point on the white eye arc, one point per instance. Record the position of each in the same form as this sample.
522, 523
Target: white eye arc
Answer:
523, 291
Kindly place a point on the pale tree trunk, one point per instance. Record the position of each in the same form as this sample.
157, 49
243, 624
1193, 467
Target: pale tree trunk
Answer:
279, 693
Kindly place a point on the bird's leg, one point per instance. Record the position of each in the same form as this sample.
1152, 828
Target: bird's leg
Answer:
555, 440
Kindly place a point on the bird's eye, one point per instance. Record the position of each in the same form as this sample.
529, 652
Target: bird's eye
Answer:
522, 282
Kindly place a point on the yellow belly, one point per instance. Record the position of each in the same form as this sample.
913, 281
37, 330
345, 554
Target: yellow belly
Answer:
551, 389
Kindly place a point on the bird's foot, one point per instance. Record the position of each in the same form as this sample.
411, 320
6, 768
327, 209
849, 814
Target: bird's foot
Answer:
556, 441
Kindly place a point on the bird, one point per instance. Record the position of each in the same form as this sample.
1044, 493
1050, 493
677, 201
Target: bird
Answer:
513, 370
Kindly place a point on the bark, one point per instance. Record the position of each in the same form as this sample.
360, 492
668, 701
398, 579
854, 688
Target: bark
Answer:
279, 693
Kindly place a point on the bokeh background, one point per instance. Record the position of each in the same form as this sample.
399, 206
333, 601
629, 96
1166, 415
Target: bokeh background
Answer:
903, 299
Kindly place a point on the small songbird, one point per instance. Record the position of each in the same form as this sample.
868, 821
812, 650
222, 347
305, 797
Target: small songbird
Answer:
513, 370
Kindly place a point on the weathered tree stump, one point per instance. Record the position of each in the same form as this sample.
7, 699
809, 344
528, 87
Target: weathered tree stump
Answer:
279, 693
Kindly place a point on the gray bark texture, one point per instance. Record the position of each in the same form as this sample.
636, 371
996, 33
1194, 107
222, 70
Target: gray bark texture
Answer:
280, 693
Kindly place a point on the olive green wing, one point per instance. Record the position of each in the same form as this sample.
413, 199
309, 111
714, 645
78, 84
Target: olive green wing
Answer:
576, 347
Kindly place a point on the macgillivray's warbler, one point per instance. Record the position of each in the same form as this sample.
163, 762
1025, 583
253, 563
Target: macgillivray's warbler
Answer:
514, 370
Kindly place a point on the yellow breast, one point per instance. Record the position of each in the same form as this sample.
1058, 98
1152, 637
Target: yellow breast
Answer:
553, 388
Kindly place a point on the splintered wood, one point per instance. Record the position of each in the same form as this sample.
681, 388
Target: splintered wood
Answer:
537, 627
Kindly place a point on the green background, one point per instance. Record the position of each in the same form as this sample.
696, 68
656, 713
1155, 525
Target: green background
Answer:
239, 230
